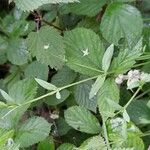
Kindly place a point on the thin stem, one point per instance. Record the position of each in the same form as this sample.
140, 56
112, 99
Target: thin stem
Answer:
48, 94
131, 99
129, 102
145, 134
105, 134
142, 64
144, 93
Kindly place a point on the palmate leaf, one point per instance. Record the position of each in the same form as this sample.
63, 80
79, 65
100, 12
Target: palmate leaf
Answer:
84, 51
121, 21
30, 5
47, 45
32, 131
81, 119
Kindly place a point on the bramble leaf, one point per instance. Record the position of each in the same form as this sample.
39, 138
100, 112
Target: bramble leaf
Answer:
47, 45
32, 131
121, 21
84, 51
81, 119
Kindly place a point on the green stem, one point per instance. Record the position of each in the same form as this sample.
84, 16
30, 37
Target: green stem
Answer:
129, 102
145, 134
48, 94
105, 134
142, 64
132, 98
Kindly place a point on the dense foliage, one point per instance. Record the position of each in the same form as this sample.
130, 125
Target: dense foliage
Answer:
74, 75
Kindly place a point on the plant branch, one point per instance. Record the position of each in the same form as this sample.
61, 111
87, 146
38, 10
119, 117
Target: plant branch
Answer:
48, 94
129, 102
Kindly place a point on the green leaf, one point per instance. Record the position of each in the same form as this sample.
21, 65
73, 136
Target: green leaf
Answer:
47, 144
108, 92
38, 70
47, 45
107, 58
84, 51
134, 141
5, 135
46, 85
23, 91
27, 5
34, 130
3, 105
63, 77
93, 143
66, 146
81, 93
97, 85
62, 126
117, 129
87, 7
126, 116
125, 0
126, 58
17, 52
52, 100
81, 119
139, 112
6, 96
121, 21
12, 118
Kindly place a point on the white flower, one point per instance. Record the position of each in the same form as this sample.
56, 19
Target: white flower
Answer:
133, 74
119, 79
85, 52
133, 79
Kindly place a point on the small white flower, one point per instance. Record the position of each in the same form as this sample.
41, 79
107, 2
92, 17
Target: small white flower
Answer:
85, 52
46, 46
119, 79
132, 74
133, 79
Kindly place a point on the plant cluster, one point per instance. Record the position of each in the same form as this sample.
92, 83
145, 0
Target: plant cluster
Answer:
74, 75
